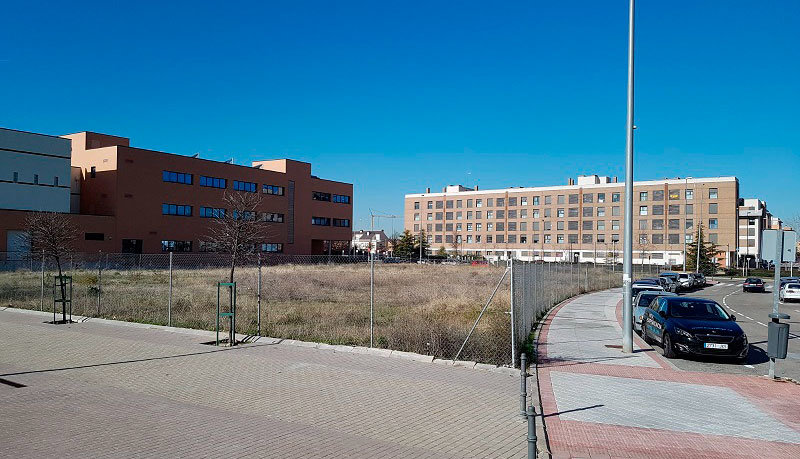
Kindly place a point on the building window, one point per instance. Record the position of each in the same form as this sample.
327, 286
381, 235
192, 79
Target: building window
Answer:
479, 203
249, 187
713, 223
572, 225
689, 223
272, 189
588, 211
429, 216
176, 209
712, 193
689, 209
344, 199
536, 200
489, 214
212, 212
560, 213
272, 217
560, 199
642, 196
469, 239
459, 204
548, 200
272, 247
416, 205
658, 209
642, 224
712, 208
449, 204
559, 239
658, 224
587, 225
689, 195
601, 238
448, 215
587, 238
643, 210
213, 182
588, 198
523, 226
614, 197
458, 226
572, 212
176, 246
320, 196
93, 172
615, 211
488, 238
523, 239
512, 214
642, 239
560, 226
321, 221
658, 239
470, 204
489, 226
438, 238
469, 226
439, 215
501, 202
573, 199
416, 217
674, 195
176, 177
601, 225
501, 226
94, 236
523, 213
674, 223
478, 226
547, 238
440, 204
501, 214
658, 195
713, 238
674, 209
535, 213
512, 202
615, 238
523, 201
674, 238
547, 213
572, 238
548, 226
345, 223
614, 224
512, 238
247, 215
430, 204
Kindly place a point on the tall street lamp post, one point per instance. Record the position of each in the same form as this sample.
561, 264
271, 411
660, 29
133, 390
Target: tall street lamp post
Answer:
627, 311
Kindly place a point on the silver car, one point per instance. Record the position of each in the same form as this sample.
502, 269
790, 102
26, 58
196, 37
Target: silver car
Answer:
642, 302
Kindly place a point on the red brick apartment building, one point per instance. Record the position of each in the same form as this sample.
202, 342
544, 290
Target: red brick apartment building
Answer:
134, 200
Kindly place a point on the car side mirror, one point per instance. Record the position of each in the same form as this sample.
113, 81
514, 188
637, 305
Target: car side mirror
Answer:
733, 317
662, 313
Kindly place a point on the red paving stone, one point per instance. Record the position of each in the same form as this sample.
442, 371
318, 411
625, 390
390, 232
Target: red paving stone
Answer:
569, 438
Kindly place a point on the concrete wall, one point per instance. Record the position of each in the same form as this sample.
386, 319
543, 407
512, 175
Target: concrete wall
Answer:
27, 158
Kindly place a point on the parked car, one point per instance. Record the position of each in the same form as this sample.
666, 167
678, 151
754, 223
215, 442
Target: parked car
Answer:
787, 280
701, 279
641, 302
687, 281
674, 277
644, 284
753, 284
695, 326
662, 281
790, 292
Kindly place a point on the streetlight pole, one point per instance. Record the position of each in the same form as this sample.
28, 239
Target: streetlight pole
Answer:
685, 189
627, 311
699, 225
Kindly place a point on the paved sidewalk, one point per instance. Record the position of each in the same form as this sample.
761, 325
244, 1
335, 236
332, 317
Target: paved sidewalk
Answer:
600, 402
109, 390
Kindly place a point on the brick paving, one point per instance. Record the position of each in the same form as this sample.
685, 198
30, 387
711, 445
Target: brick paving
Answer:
599, 402
114, 390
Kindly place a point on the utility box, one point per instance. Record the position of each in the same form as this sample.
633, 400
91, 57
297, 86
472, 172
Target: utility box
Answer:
777, 340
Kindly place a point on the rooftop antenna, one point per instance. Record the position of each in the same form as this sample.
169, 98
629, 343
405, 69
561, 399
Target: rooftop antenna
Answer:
195, 155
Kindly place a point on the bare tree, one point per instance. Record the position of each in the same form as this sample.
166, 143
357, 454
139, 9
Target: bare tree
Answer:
52, 234
455, 242
238, 230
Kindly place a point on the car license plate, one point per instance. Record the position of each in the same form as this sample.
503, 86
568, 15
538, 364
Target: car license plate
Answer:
715, 346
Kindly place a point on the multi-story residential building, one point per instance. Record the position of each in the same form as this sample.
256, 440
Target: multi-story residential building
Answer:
150, 201
581, 221
365, 240
754, 218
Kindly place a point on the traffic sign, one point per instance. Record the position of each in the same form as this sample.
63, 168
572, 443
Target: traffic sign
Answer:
768, 242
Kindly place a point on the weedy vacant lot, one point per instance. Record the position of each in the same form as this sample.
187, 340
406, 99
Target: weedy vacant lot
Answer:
419, 308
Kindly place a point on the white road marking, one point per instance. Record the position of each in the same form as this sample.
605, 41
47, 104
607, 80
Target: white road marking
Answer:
761, 323
748, 317
749, 366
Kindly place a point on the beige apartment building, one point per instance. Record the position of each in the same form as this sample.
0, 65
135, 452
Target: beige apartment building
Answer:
581, 222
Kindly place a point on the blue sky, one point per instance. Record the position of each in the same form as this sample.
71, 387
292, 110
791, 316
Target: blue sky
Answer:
398, 96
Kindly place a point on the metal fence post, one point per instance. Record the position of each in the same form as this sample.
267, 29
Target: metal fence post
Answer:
41, 298
169, 297
531, 432
513, 316
259, 294
523, 384
99, 282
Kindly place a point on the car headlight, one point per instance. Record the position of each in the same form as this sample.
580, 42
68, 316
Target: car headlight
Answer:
683, 332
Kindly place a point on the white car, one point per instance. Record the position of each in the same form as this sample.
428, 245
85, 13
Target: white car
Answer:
686, 280
790, 292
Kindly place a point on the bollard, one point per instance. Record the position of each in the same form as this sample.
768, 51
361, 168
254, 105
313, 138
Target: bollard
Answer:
531, 432
523, 384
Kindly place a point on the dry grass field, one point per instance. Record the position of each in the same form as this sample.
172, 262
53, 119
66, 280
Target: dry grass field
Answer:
419, 308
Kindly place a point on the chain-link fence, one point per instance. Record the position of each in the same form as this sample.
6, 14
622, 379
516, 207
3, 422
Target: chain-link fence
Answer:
536, 287
402, 304
426, 308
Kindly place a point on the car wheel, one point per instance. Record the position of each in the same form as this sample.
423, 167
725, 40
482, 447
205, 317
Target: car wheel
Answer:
666, 344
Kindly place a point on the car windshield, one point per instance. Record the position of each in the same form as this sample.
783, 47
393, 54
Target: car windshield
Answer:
793, 286
688, 309
752, 280
644, 300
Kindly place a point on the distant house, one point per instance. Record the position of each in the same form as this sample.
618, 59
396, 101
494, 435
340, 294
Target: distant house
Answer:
363, 240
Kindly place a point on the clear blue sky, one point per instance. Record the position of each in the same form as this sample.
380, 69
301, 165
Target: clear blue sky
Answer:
397, 96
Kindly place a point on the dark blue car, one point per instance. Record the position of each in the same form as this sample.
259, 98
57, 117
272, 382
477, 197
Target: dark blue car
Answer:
694, 326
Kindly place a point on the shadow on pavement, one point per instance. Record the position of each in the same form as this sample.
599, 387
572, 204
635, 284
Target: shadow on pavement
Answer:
571, 411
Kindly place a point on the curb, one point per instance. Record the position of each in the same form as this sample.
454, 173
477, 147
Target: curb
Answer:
251, 339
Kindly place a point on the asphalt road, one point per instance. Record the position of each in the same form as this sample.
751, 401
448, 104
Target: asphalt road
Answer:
751, 311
